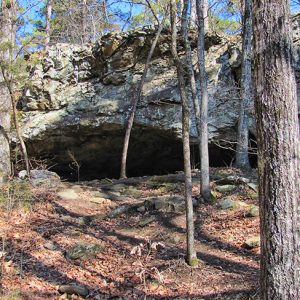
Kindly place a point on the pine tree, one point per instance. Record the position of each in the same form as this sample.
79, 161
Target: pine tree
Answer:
278, 150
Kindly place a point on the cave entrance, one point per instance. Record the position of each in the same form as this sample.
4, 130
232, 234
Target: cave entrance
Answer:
98, 151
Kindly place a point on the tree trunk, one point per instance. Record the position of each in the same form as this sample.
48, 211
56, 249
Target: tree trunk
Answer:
242, 157
7, 36
180, 4
85, 36
7, 82
193, 15
48, 23
17, 127
189, 65
278, 150
205, 188
136, 99
191, 254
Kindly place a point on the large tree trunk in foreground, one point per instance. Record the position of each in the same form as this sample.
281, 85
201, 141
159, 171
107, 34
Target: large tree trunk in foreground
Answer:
191, 254
242, 154
6, 36
136, 99
278, 150
205, 188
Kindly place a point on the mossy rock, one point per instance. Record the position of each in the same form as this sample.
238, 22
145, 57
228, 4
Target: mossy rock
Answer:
132, 191
147, 221
168, 187
225, 188
251, 194
253, 211
84, 251
214, 195
252, 243
118, 187
165, 203
228, 203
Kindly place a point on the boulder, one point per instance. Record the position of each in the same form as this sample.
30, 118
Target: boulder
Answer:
228, 203
68, 194
225, 188
41, 177
167, 203
252, 243
234, 180
74, 289
253, 211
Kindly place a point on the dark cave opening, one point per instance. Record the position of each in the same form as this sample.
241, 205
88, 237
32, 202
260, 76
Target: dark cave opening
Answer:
151, 152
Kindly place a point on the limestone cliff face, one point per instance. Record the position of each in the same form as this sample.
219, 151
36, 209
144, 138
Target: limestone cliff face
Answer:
80, 98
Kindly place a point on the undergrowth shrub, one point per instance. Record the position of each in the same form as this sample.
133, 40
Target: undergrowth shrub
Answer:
16, 194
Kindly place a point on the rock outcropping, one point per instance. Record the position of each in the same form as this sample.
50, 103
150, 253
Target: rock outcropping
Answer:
80, 97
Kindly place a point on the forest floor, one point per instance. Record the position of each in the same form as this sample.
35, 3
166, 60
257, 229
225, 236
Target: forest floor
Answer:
125, 239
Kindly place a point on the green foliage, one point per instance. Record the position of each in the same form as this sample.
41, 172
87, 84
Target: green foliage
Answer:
16, 194
219, 24
66, 21
8, 3
13, 295
146, 15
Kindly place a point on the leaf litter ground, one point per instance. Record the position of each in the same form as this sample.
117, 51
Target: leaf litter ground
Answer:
128, 258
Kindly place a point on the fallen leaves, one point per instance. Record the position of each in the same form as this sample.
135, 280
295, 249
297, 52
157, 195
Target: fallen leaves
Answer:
133, 261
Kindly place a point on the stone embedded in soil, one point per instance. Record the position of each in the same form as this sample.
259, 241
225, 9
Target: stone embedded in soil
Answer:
118, 211
119, 187
147, 221
232, 180
253, 211
228, 203
73, 289
141, 209
132, 192
68, 194
84, 251
99, 200
225, 188
168, 203
252, 243
85, 220
50, 246
253, 186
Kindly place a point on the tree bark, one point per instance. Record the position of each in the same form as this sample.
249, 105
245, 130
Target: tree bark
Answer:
7, 76
136, 99
13, 100
193, 15
242, 157
205, 188
48, 23
278, 150
6, 36
189, 66
85, 36
191, 254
